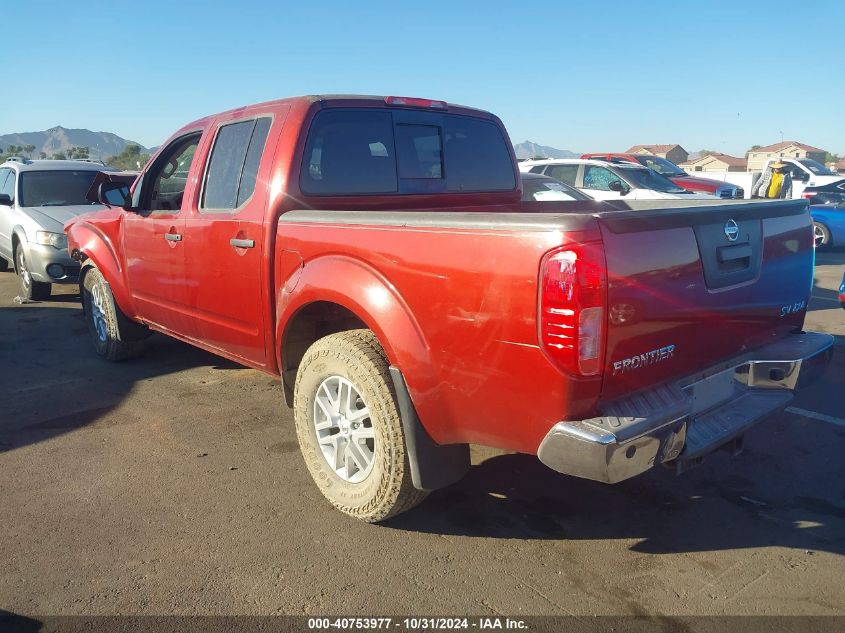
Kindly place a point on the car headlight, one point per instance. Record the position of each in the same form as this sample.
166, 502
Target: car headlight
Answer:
56, 240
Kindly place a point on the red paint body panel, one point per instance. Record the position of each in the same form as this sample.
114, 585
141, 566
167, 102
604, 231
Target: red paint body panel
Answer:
459, 319
455, 306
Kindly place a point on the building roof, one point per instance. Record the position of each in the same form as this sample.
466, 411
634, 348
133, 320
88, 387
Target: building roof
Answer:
654, 149
784, 144
840, 164
733, 161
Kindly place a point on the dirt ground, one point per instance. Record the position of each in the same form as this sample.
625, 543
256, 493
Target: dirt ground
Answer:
173, 485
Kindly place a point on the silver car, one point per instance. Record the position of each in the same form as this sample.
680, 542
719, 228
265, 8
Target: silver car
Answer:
37, 197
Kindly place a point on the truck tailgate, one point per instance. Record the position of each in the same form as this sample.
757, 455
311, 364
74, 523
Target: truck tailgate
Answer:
691, 286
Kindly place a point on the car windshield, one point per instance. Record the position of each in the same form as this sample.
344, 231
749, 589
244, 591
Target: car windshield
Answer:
648, 179
55, 188
816, 167
662, 166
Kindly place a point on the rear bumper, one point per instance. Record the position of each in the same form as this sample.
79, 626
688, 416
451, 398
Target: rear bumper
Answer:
684, 421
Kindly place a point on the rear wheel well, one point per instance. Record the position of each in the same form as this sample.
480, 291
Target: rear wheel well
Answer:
311, 323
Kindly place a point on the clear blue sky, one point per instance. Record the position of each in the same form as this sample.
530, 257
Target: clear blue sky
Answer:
585, 75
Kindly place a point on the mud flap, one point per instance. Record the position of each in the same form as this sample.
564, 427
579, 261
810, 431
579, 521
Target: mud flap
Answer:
433, 465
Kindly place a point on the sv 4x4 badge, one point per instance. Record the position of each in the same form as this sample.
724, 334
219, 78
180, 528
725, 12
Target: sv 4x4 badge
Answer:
792, 308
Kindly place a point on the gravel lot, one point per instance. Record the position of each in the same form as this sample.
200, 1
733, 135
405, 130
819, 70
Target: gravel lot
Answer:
173, 485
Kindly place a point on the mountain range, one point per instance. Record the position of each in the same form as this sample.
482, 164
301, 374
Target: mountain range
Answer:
100, 145
529, 149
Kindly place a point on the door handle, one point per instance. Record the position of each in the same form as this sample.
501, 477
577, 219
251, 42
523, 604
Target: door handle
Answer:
239, 243
173, 237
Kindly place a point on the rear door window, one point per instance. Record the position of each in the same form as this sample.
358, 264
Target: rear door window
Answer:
233, 165
564, 173
362, 151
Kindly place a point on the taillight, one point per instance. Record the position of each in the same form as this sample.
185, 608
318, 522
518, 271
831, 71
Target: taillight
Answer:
809, 195
573, 298
414, 102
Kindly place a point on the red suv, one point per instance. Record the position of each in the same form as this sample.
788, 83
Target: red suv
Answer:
674, 173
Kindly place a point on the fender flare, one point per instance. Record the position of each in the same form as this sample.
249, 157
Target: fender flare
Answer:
91, 247
365, 292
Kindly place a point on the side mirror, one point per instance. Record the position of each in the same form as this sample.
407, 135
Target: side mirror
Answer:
114, 194
5, 200
618, 185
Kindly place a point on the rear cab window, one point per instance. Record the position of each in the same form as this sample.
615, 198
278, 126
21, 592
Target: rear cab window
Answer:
380, 151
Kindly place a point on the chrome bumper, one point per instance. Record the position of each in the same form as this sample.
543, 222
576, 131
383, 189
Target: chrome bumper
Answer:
684, 421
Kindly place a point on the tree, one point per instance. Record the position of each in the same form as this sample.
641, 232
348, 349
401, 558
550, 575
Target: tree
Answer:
130, 158
756, 147
831, 158
59, 156
42, 155
28, 149
706, 152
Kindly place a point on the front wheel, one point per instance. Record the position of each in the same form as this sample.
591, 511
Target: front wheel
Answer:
30, 290
349, 429
821, 235
115, 336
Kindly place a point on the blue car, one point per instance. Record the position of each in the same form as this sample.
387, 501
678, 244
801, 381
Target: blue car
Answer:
842, 293
828, 224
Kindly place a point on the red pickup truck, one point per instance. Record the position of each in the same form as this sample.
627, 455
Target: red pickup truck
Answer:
374, 253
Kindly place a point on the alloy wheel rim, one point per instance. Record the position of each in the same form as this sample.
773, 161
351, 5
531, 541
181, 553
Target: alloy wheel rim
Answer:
818, 234
98, 316
26, 278
344, 429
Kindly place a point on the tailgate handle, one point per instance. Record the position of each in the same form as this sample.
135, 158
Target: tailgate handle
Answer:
173, 237
732, 253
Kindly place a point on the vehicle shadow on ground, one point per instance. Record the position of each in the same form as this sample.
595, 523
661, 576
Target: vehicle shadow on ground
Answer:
727, 503
55, 383
14, 623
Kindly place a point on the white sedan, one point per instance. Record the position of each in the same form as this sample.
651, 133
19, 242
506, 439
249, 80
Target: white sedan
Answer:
604, 180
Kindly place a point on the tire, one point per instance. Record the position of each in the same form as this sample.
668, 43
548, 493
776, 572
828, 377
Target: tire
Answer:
115, 336
821, 235
4, 265
29, 289
346, 365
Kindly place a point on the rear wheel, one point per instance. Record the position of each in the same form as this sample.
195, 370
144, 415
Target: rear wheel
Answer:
349, 429
821, 235
115, 336
29, 288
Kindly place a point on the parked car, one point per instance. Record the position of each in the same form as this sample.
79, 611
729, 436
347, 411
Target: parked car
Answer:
842, 292
828, 224
543, 189
605, 180
375, 255
830, 193
36, 198
670, 170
